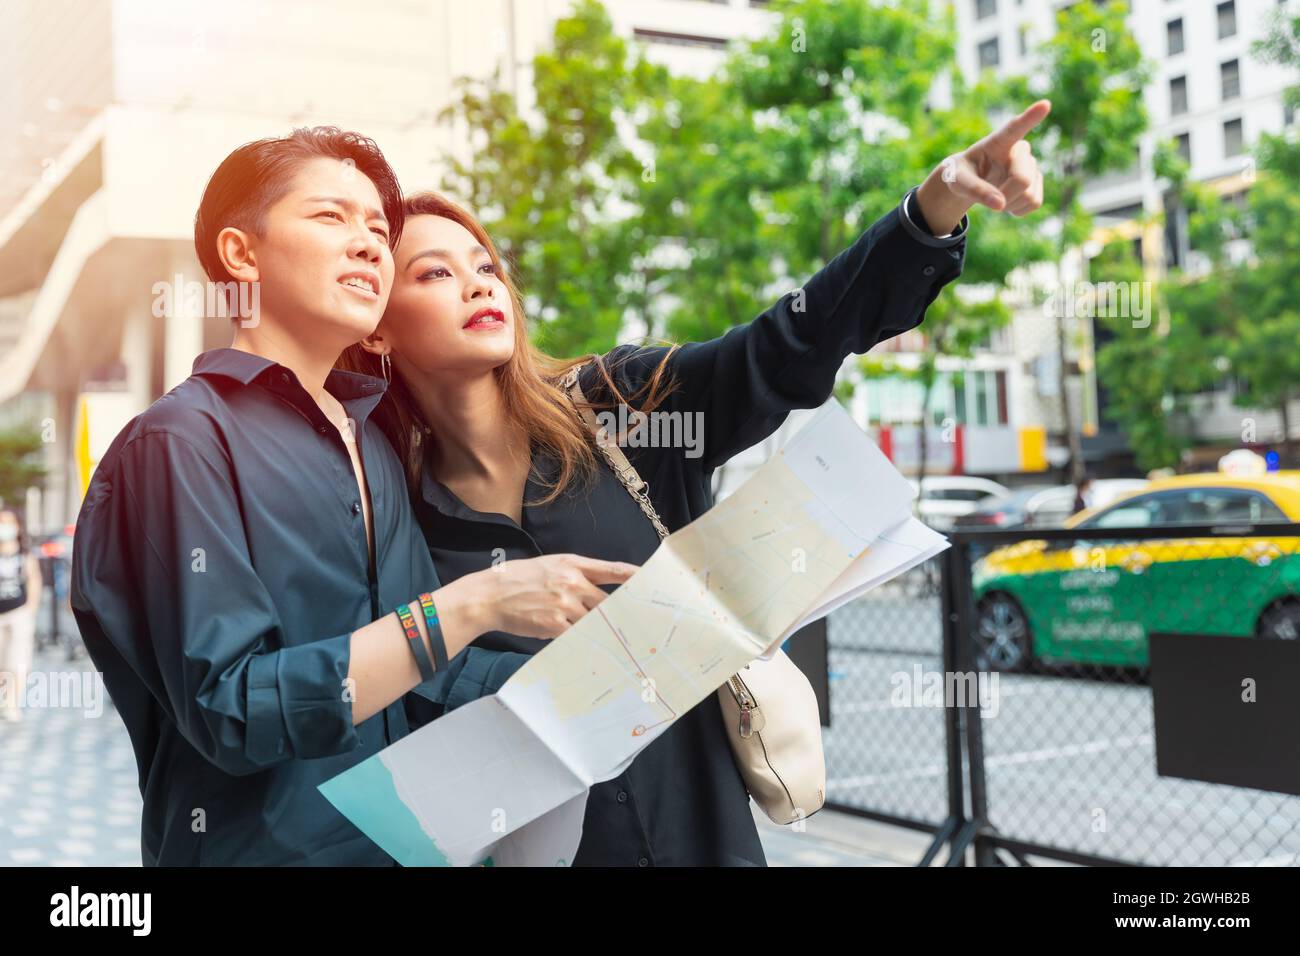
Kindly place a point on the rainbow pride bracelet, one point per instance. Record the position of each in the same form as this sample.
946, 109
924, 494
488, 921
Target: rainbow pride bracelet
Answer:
436, 640
417, 643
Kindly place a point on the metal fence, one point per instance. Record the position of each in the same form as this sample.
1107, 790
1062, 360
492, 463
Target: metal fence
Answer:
1000, 699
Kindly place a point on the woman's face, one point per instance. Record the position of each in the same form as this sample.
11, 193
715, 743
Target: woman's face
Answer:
8, 531
449, 311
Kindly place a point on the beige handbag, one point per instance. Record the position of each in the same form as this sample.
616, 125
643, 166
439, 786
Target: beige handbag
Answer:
769, 709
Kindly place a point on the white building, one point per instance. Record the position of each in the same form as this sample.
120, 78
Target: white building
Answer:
1206, 92
120, 110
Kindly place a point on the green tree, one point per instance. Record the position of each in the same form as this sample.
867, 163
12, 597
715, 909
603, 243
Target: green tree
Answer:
558, 190
1264, 352
1152, 371
1093, 72
1229, 317
20, 452
810, 134
957, 324
734, 189
768, 170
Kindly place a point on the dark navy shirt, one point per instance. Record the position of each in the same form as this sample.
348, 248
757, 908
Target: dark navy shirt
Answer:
682, 801
219, 568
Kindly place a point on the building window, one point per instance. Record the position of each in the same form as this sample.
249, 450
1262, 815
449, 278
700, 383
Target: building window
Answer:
988, 53
981, 395
1288, 114
1174, 36
1241, 204
985, 9
679, 39
1178, 96
1185, 146
1232, 138
1227, 19
1024, 39
1230, 78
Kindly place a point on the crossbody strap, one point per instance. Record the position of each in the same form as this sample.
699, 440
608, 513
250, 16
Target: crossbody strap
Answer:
627, 475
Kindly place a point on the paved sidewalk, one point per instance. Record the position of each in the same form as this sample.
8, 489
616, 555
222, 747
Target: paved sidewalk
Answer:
834, 838
68, 784
68, 797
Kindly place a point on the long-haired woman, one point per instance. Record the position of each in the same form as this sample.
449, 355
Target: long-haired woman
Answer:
502, 467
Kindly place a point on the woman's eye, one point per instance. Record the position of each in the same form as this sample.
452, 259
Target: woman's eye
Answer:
380, 233
330, 212
436, 272
492, 269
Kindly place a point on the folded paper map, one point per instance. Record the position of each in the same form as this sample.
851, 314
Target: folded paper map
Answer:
503, 780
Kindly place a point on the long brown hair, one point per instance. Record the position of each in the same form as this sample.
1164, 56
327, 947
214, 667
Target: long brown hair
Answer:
529, 383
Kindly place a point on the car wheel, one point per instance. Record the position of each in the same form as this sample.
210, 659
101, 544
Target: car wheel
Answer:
1002, 640
1280, 621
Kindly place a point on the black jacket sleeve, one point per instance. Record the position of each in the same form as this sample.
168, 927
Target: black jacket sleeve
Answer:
747, 380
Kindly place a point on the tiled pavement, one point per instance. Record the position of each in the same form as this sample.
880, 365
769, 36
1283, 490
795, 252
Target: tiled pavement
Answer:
69, 797
68, 790
831, 838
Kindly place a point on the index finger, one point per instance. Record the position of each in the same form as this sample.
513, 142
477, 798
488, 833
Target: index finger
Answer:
1016, 129
604, 572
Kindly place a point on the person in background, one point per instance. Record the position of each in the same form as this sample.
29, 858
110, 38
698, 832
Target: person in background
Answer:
20, 596
502, 468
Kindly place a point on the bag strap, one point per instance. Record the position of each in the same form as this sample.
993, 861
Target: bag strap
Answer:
628, 476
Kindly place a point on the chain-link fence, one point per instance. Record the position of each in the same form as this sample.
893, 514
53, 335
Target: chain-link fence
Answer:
1009, 708
884, 759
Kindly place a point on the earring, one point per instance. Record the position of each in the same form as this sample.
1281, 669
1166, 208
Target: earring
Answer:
386, 365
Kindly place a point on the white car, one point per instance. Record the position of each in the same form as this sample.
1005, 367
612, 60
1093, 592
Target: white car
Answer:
1103, 491
1044, 506
944, 498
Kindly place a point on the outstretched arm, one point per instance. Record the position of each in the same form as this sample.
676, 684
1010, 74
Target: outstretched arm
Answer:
746, 381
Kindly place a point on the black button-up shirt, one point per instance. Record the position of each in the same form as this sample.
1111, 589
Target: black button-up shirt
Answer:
682, 801
219, 568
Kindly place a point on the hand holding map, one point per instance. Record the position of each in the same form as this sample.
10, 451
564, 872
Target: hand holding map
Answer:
504, 779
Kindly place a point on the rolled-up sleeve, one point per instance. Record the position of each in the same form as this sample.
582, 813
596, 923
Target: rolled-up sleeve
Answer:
747, 380
162, 564
474, 673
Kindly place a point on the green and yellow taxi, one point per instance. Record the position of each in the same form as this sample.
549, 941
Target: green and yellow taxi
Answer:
1096, 602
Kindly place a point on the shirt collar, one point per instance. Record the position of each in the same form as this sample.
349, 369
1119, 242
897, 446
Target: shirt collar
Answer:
358, 393
440, 497
246, 368
446, 503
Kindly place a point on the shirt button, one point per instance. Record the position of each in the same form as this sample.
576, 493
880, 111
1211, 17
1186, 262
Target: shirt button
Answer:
322, 429
643, 862
928, 271
622, 796
356, 507
284, 378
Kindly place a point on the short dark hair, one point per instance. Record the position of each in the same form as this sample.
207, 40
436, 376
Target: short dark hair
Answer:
252, 178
